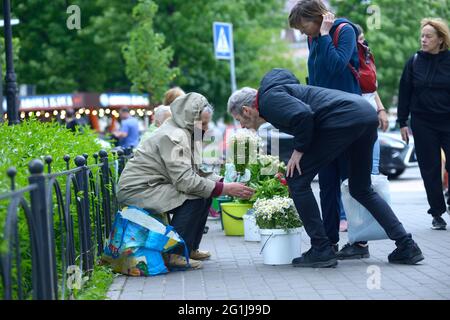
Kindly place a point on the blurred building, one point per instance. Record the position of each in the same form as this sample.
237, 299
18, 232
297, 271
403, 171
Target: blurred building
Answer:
99, 110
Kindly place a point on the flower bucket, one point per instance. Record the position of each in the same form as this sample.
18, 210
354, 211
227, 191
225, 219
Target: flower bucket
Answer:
279, 246
251, 230
220, 200
215, 204
232, 213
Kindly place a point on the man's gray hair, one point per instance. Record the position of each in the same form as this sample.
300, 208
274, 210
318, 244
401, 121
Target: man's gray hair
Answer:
161, 112
243, 97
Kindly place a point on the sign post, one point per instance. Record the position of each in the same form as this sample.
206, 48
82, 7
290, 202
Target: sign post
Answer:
223, 47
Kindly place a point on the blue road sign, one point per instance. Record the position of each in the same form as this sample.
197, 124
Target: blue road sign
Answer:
223, 40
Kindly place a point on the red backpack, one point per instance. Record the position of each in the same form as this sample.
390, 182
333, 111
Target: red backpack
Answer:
367, 74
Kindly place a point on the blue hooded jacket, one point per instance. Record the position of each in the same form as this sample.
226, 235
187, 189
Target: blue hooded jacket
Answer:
328, 65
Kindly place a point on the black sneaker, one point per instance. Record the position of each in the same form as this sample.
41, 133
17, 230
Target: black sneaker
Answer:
438, 223
408, 254
335, 247
353, 251
316, 259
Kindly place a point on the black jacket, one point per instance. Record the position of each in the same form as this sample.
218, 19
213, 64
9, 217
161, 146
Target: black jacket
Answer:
425, 87
301, 110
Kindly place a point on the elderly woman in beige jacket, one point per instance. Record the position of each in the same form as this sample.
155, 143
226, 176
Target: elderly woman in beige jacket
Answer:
164, 176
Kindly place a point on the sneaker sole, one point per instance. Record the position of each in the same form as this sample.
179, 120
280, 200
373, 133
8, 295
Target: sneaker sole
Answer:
439, 228
184, 268
355, 257
201, 259
323, 264
411, 261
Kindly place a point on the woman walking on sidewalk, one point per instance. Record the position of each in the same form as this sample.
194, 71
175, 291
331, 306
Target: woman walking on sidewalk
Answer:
425, 94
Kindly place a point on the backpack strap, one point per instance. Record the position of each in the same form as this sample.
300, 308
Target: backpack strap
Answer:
336, 33
336, 42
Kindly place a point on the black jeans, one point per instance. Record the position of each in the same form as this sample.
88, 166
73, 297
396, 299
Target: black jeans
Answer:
430, 135
330, 178
189, 221
357, 142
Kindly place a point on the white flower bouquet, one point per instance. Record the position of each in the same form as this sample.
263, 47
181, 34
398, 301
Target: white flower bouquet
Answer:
243, 148
276, 213
270, 165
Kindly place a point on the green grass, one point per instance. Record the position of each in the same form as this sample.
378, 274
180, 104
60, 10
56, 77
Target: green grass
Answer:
96, 288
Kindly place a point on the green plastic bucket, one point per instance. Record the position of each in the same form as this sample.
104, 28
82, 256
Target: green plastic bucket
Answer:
232, 216
220, 200
215, 204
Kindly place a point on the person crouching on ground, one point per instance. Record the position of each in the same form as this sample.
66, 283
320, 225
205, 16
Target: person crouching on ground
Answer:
325, 123
164, 176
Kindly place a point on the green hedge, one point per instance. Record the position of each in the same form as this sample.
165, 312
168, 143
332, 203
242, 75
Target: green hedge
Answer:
30, 140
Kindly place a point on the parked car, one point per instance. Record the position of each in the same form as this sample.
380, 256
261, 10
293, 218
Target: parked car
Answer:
395, 155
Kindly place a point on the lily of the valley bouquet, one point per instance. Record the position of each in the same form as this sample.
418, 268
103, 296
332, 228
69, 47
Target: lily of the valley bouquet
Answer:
242, 150
276, 213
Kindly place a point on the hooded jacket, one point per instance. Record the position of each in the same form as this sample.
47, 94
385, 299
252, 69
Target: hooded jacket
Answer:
328, 65
302, 111
425, 87
163, 173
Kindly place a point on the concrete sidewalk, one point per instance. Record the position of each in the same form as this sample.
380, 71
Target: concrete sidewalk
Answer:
236, 269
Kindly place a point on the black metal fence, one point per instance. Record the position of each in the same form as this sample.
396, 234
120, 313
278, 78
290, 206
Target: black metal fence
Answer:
68, 217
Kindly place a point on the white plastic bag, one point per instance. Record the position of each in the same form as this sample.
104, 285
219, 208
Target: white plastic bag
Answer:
362, 226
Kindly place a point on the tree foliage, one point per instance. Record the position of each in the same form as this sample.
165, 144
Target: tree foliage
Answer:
258, 48
58, 59
147, 62
392, 28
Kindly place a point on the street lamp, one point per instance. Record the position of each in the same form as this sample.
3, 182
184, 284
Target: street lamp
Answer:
10, 78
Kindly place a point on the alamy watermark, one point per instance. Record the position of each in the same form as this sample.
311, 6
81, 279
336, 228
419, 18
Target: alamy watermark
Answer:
374, 280
74, 20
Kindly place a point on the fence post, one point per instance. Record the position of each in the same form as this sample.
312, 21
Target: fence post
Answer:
85, 223
120, 154
106, 195
44, 278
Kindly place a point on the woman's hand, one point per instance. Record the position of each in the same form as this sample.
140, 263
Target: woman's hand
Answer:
294, 163
327, 23
405, 134
383, 120
239, 190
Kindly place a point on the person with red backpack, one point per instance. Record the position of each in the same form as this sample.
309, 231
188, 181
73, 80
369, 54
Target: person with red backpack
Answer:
367, 71
333, 63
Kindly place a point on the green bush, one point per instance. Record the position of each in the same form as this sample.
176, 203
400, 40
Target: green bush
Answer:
30, 140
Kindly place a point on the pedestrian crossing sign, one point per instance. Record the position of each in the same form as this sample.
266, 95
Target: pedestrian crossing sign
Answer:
223, 40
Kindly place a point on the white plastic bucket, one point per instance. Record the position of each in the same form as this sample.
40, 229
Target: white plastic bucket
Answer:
279, 246
251, 230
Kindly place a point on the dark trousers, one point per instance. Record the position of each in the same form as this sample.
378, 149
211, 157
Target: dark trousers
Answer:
189, 221
330, 178
358, 143
429, 137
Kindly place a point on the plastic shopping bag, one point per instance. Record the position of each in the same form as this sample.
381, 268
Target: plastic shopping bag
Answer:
137, 241
362, 226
